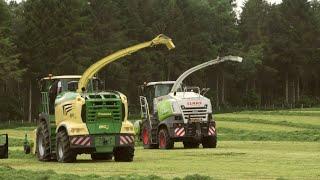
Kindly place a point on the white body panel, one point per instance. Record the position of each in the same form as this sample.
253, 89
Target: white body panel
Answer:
192, 106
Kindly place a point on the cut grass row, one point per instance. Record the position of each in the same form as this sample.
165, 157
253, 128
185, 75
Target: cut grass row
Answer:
231, 160
253, 125
268, 126
283, 124
293, 112
311, 120
289, 156
13, 174
243, 135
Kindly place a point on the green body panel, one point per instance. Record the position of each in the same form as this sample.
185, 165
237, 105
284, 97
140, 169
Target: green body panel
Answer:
104, 143
164, 109
104, 116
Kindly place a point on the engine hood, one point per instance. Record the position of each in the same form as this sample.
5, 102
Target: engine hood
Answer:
179, 103
186, 95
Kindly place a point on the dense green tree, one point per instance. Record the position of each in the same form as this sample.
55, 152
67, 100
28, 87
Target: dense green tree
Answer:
55, 36
279, 42
291, 29
253, 37
9, 57
10, 71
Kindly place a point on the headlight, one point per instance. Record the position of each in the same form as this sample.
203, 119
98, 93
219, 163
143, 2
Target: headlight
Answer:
175, 108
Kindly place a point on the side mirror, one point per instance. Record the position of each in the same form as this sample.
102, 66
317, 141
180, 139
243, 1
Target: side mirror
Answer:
204, 91
4, 146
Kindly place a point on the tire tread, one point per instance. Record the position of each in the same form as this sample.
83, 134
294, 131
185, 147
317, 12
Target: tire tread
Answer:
43, 128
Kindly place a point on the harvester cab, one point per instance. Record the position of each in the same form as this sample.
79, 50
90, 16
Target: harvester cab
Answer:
77, 116
4, 144
172, 112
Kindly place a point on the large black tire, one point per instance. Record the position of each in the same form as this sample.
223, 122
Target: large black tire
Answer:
101, 156
165, 142
63, 151
123, 154
189, 145
43, 142
209, 142
146, 138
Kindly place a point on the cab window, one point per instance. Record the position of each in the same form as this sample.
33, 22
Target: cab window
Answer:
162, 89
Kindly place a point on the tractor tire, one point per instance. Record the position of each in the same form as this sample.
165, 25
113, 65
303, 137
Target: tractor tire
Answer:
209, 142
101, 156
63, 151
165, 142
190, 145
123, 154
43, 142
146, 138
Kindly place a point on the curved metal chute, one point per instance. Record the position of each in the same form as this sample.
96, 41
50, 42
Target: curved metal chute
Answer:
96, 67
201, 66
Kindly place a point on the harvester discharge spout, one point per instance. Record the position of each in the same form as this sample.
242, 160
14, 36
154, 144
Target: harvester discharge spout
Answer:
93, 69
201, 66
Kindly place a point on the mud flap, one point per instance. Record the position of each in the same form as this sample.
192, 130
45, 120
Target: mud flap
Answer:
4, 146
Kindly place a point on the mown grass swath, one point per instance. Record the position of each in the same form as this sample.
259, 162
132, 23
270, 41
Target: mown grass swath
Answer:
252, 146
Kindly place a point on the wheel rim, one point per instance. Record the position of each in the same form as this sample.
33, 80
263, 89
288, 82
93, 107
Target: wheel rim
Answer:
60, 151
162, 140
145, 136
41, 146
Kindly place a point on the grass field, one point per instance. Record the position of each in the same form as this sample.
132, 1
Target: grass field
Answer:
252, 145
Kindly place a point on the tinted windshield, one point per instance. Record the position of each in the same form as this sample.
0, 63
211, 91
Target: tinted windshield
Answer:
162, 89
70, 85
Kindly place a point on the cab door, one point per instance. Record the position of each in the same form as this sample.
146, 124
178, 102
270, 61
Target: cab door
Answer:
4, 146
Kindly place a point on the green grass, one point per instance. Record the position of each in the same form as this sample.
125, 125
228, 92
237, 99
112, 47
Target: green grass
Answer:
231, 160
16, 125
252, 126
243, 135
294, 112
312, 120
13, 174
252, 145
290, 125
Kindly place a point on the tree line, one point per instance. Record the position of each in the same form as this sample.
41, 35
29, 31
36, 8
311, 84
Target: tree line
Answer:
280, 44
